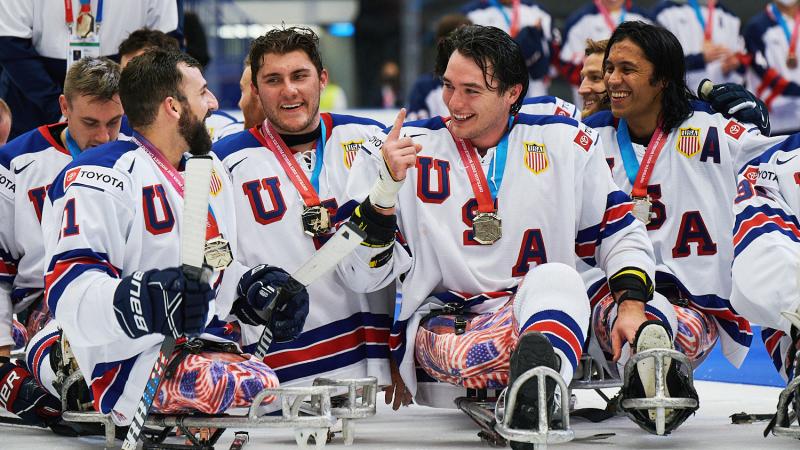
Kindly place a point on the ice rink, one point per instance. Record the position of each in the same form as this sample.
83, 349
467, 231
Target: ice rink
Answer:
417, 427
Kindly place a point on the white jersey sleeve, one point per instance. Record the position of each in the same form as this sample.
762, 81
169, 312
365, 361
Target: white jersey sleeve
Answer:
9, 254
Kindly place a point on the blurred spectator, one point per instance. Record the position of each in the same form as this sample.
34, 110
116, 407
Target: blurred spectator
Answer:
593, 88
5, 121
144, 39
35, 43
711, 39
594, 21
530, 26
425, 98
194, 38
771, 40
390, 85
377, 41
333, 98
248, 102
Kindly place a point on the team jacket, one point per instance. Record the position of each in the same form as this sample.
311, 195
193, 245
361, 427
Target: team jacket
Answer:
692, 184
346, 333
109, 213
557, 200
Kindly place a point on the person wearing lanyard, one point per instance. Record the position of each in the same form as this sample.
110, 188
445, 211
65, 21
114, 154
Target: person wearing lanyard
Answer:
290, 173
112, 228
39, 36
495, 208
771, 38
595, 21
530, 26
28, 165
678, 159
711, 39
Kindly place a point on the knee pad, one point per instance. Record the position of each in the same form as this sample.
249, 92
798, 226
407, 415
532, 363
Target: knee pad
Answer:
549, 284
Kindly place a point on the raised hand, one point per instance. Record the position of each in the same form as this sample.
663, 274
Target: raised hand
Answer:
399, 153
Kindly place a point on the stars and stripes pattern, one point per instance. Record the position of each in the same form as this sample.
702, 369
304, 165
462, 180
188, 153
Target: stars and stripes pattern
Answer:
213, 382
697, 333
688, 141
216, 184
616, 218
350, 150
536, 157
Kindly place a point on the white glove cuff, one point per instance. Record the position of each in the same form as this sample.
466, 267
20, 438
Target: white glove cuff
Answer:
384, 192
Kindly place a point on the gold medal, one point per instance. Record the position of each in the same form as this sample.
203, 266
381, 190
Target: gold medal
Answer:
487, 228
791, 61
84, 24
641, 209
218, 253
316, 220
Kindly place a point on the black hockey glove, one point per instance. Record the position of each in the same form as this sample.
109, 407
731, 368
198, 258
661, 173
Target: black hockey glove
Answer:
162, 301
269, 296
23, 397
733, 100
380, 228
635, 282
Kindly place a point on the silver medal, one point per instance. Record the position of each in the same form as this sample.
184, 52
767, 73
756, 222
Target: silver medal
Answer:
642, 208
487, 228
218, 253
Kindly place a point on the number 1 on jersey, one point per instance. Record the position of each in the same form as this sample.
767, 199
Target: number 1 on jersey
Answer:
71, 227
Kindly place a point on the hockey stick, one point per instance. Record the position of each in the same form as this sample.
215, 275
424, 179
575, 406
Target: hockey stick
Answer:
338, 246
193, 238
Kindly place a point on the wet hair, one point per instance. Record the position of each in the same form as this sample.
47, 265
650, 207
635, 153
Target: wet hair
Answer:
150, 78
593, 47
282, 41
145, 38
95, 77
496, 54
664, 51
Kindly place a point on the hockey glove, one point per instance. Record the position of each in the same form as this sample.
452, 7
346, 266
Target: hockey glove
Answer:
23, 397
162, 301
635, 282
269, 296
733, 100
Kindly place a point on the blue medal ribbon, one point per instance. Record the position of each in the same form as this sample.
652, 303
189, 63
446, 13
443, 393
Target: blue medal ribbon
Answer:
629, 161
320, 152
502, 10
698, 13
500, 156
782, 22
71, 145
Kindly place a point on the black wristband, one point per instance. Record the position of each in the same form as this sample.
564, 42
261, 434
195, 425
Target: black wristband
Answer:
635, 282
380, 228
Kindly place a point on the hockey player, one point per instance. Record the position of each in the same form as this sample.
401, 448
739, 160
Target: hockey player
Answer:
678, 159
596, 21
484, 239
592, 88
772, 38
530, 26
249, 103
290, 173
710, 35
111, 228
28, 165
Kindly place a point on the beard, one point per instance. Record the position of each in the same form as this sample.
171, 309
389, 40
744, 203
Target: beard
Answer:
194, 132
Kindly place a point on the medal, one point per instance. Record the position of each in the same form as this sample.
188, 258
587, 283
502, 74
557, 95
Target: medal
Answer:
791, 61
84, 24
218, 253
487, 228
642, 208
316, 220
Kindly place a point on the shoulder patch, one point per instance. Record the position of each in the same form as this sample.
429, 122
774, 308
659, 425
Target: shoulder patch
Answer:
7, 184
586, 137
535, 156
734, 129
216, 183
688, 143
95, 177
350, 150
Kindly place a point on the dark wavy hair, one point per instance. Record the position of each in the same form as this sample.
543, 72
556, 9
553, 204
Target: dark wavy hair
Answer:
664, 51
498, 56
282, 41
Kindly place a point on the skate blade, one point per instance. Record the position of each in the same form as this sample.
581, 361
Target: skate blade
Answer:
651, 337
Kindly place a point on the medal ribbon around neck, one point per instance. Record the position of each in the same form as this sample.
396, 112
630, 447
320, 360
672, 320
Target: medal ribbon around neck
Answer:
485, 193
86, 8
791, 37
513, 21
71, 145
607, 15
639, 176
175, 178
308, 190
707, 24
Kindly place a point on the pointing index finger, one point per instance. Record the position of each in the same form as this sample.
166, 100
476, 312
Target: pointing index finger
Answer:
394, 134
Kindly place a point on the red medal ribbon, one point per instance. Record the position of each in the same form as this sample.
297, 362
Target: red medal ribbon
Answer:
657, 142
273, 142
175, 179
480, 187
606, 15
709, 30
68, 12
793, 40
514, 27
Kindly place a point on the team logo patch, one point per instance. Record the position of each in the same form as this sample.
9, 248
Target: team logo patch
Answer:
689, 141
535, 157
71, 176
751, 174
562, 112
350, 151
583, 140
734, 129
216, 184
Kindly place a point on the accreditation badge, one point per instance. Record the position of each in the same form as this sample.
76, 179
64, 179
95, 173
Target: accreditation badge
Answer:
642, 208
486, 227
218, 253
316, 220
82, 47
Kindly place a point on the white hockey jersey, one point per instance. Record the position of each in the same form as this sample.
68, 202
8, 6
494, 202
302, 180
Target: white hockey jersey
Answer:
556, 200
691, 187
112, 212
346, 333
766, 237
683, 21
770, 76
221, 124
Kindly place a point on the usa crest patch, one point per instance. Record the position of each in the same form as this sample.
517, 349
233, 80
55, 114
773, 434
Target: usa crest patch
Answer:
216, 183
350, 150
689, 141
535, 156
